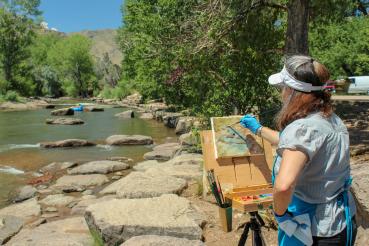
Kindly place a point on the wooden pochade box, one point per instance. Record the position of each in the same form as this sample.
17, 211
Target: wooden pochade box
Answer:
241, 177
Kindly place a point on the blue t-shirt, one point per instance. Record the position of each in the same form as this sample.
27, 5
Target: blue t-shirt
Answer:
325, 141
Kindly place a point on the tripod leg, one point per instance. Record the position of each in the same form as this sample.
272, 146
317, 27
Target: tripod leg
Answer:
244, 235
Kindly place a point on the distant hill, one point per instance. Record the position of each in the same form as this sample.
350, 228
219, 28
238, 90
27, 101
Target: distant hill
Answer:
103, 41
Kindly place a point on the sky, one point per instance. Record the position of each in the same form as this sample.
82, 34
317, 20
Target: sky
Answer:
78, 15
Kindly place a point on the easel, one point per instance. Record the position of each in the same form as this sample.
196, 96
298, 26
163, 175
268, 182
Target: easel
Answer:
249, 176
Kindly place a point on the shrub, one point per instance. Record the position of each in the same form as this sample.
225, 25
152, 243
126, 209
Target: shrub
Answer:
11, 96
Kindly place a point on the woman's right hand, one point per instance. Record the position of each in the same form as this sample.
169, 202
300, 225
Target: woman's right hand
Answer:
250, 122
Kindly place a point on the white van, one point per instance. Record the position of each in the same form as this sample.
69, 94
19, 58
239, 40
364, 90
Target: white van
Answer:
359, 84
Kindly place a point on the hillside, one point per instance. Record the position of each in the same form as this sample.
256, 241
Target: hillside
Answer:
103, 41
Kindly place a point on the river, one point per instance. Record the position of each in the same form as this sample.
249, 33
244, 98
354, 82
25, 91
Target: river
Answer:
20, 133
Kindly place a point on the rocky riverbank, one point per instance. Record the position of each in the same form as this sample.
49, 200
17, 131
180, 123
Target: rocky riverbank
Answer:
155, 202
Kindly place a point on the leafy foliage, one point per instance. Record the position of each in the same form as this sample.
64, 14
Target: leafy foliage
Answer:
201, 56
343, 47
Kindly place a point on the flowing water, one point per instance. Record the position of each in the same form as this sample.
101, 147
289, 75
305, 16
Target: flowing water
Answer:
21, 133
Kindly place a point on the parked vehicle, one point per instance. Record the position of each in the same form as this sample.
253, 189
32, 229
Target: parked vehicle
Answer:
330, 86
358, 85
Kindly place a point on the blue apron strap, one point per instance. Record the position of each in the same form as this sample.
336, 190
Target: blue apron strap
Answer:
348, 216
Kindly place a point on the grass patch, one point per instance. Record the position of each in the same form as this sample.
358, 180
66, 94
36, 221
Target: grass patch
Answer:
97, 239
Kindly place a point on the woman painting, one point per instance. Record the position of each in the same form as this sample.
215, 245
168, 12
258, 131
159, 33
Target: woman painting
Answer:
311, 173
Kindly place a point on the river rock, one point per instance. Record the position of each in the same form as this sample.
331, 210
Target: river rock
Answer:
129, 140
187, 139
67, 143
10, 226
26, 210
359, 149
81, 206
93, 109
120, 158
77, 182
163, 152
144, 165
360, 188
64, 121
57, 200
57, 166
126, 114
180, 171
184, 125
146, 116
153, 240
133, 99
168, 215
67, 232
49, 106
142, 185
102, 167
187, 159
26, 192
171, 119
62, 112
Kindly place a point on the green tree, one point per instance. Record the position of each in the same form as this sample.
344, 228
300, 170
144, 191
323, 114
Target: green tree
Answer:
16, 35
343, 46
72, 59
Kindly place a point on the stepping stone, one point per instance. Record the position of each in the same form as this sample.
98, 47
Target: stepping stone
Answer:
67, 143
187, 159
9, 226
180, 171
62, 112
67, 232
129, 140
81, 206
57, 200
144, 165
152, 240
102, 167
142, 185
163, 152
79, 182
57, 166
120, 219
26, 192
26, 210
64, 121
126, 114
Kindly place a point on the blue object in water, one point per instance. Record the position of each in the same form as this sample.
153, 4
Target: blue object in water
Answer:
79, 108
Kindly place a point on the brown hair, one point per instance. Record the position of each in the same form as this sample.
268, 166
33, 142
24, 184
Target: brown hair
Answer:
298, 104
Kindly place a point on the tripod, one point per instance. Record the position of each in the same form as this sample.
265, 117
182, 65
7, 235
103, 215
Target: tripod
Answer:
255, 224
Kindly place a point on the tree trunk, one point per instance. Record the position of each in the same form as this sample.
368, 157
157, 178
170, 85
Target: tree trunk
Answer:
297, 27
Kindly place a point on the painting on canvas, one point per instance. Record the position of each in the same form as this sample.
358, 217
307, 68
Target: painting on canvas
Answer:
233, 140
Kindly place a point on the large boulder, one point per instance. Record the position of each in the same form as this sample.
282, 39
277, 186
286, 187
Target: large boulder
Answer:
79, 182
66, 232
64, 121
142, 185
129, 140
184, 125
57, 166
133, 99
153, 240
24, 193
26, 210
126, 114
120, 219
171, 119
62, 112
67, 143
102, 167
57, 200
144, 165
187, 139
9, 226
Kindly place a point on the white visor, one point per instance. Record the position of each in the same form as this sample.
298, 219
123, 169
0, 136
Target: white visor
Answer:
284, 78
